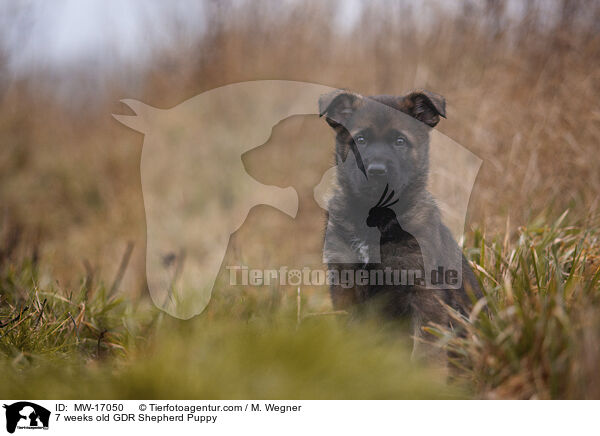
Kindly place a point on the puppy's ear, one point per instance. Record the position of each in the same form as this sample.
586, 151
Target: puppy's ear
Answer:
338, 106
425, 106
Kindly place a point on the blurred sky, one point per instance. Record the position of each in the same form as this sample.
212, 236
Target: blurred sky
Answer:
96, 36
41, 34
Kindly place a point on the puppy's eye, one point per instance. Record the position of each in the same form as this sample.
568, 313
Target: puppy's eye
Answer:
360, 140
400, 141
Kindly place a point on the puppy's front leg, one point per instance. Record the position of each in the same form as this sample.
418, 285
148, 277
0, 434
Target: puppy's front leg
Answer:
424, 349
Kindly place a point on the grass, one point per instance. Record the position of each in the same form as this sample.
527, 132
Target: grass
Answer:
534, 335
55, 324
86, 344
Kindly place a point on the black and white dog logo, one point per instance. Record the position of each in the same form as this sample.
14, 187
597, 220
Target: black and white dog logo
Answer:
26, 415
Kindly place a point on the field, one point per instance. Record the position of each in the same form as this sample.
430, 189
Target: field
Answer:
522, 91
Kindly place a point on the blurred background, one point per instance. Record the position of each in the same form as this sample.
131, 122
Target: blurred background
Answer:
521, 79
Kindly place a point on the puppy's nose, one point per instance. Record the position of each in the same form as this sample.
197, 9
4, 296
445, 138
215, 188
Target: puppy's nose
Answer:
377, 169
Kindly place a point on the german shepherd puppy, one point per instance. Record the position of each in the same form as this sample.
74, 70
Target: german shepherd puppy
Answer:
388, 138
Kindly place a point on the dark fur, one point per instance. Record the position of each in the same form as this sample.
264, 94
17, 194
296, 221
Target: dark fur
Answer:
406, 165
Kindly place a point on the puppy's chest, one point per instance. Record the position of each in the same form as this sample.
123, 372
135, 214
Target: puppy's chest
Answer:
395, 254
362, 249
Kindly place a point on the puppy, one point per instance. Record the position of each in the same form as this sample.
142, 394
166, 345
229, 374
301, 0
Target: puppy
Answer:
381, 217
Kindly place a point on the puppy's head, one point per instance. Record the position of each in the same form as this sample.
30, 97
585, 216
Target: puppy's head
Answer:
389, 136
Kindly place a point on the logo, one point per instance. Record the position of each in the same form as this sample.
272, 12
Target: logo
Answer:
26, 415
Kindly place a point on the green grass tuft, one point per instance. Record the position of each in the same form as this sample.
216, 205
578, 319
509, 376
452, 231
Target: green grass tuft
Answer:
536, 333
